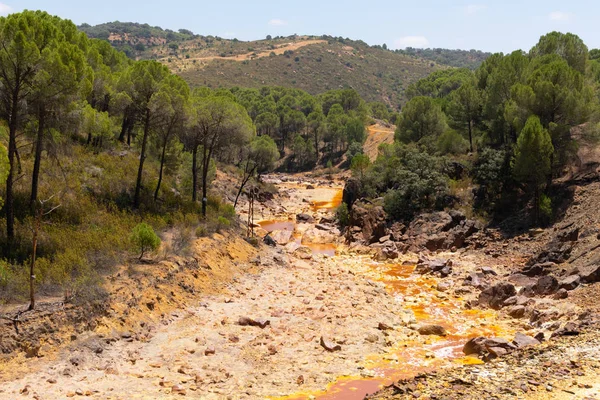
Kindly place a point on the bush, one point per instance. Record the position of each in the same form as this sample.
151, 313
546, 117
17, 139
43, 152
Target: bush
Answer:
343, 215
545, 209
144, 238
451, 142
222, 224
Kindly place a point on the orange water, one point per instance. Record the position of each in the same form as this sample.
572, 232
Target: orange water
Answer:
414, 356
329, 204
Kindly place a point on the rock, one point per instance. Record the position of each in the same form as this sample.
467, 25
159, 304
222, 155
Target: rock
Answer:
488, 271
384, 239
521, 340
178, 389
79, 392
382, 326
371, 220
310, 187
306, 218
329, 346
209, 351
569, 329
269, 240
561, 294
443, 286
475, 346
352, 189
323, 227
259, 322
372, 338
591, 273
538, 269
436, 330
546, 285
495, 296
570, 282
517, 311
51, 381
281, 237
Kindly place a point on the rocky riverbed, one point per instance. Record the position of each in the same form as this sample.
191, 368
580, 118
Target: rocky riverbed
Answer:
313, 317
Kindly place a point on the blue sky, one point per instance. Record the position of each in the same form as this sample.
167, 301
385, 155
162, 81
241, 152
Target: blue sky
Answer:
485, 25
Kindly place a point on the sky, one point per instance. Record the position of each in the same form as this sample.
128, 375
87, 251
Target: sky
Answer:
492, 26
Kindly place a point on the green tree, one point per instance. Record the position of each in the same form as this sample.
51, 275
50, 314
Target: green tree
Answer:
267, 123
355, 131
145, 82
144, 238
259, 157
24, 39
421, 118
532, 159
215, 122
359, 164
567, 45
465, 109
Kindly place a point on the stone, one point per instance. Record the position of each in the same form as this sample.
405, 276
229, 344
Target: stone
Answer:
495, 296
521, 340
178, 389
570, 282
569, 329
561, 294
546, 285
591, 273
268, 240
488, 271
329, 345
517, 311
382, 326
209, 351
436, 330
372, 338
306, 218
282, 237
323, 227
475, 346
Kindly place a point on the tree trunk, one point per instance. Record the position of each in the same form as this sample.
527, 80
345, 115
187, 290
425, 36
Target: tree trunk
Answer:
245, 180
162, 163
470, 135
39, 145
195, 174
138, 185
12, 149
124, 127
36, 229
205, 164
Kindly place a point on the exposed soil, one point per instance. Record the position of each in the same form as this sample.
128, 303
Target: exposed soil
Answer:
314, 318
377, 134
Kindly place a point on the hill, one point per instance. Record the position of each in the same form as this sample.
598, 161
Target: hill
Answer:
312, 63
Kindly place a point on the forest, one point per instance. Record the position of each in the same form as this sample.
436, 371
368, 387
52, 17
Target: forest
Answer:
505, 129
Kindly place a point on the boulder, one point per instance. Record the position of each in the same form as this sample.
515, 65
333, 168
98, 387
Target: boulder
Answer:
282, 237
591, 273
305, 218
351, 191
570, 282
561, 294
436, 330
521, 340
546, 285
329, 345
370, 219
495, 296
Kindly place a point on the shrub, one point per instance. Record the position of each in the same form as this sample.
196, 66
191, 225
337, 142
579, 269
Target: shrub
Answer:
545, 208
222, 224
144, 238
343, 215
451, 142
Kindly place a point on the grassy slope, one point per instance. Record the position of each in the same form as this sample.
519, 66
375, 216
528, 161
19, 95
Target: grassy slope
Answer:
377, 74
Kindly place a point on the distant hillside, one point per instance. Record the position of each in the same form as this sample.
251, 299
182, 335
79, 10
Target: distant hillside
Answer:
311, 63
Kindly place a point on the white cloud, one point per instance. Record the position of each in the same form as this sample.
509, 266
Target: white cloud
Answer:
412, 41
5, 9
473, 9
560, 16
277, 22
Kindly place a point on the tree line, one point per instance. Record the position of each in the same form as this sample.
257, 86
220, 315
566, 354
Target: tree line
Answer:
509, 121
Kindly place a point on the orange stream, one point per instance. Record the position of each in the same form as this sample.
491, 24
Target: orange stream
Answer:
407, 359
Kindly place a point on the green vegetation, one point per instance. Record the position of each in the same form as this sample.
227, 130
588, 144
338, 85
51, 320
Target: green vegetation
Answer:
471, 59
144, 238
515, 113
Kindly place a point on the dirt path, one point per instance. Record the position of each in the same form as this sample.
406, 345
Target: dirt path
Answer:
254, 55
377, 134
